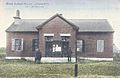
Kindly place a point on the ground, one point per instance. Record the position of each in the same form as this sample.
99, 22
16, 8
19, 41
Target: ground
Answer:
86, 69
28, 69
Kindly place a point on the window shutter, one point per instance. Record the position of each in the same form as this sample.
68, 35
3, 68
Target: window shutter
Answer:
22, 45
33, 45
98, 45
83, 45
102, 46
13, 45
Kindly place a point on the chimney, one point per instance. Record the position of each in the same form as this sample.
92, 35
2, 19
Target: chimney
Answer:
60, 14
17, 15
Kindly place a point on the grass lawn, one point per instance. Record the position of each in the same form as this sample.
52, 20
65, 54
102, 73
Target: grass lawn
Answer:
28, 69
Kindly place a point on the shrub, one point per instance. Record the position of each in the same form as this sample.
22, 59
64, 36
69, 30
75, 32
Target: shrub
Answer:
116, 56
2, 50
2, 53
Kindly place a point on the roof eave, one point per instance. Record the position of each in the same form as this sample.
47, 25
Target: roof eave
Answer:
20, 31
96, 31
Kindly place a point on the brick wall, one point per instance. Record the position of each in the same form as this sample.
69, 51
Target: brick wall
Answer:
90, 44
27, 38
57, 26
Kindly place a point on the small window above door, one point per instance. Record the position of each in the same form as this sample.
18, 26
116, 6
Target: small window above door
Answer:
64, 38
48, 38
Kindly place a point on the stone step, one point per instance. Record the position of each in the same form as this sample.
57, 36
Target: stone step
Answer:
45, 59
56, 59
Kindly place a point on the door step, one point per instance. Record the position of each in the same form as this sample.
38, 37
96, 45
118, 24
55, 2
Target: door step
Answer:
45, 59
56, 59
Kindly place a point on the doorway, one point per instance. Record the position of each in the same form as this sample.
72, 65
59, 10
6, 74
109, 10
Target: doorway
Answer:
56, 48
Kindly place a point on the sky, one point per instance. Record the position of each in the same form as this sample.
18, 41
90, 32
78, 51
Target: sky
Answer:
70, 9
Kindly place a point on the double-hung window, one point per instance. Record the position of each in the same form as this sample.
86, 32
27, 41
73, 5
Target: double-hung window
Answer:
100, 45
34, 44
17, 45
80, 45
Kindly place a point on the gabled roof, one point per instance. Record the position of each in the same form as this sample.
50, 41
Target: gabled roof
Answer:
84, 25
60, 16
25, 25
92, 25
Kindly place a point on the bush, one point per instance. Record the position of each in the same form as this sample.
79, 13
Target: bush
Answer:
2, 50
2, 53
116, 56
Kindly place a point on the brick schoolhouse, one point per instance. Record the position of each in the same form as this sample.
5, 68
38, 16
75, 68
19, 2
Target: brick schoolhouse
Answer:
91, 38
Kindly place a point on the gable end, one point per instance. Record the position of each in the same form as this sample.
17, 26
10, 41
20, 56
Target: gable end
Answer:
57, 15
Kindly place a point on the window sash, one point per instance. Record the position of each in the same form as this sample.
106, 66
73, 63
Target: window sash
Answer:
100, 45
80, 45
17, 45
48, 38
65, 38
34, 44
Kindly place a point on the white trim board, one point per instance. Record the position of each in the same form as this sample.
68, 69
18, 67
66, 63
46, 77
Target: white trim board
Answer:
60, 59
15, 58
97, 59
45, 59
47, 34
65, 34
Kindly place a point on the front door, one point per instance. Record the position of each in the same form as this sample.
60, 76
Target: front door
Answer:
56, 48
48, 49
65, 46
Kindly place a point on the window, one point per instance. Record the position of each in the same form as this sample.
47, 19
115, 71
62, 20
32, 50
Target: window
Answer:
80, 45
34, 44
100, 45
65, 38
48, 38
17, 45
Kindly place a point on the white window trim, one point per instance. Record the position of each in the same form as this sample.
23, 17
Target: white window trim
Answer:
48, 34
65, 34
